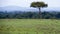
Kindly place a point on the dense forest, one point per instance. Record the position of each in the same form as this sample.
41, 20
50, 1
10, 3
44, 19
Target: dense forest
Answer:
29, 15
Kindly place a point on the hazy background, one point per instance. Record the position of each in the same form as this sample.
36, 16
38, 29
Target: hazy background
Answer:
26, 3
22, 9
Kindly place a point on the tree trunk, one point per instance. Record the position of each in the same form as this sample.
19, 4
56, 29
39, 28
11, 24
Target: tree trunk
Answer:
40, 13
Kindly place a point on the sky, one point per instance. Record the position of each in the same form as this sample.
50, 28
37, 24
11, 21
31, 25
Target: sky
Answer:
26, 3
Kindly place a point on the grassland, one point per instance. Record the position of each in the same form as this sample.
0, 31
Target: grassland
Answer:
29, 26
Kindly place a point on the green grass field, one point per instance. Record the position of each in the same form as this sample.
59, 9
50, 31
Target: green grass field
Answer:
29, 26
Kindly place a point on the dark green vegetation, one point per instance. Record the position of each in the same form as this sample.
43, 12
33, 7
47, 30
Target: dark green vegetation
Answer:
29, 15
29, 26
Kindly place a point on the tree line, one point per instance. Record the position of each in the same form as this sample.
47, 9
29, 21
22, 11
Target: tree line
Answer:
29, 15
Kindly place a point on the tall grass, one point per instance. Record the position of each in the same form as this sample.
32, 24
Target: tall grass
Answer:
29, 26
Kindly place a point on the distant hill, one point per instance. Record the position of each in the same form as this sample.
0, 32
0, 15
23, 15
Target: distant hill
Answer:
52, 9
17, 8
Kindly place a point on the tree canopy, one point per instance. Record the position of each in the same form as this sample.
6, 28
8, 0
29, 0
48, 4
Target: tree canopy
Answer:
38, 4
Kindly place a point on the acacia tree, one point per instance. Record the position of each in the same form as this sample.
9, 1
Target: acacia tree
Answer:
38, 5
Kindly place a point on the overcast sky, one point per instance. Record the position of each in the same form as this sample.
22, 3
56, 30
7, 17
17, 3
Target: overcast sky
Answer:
26, 3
